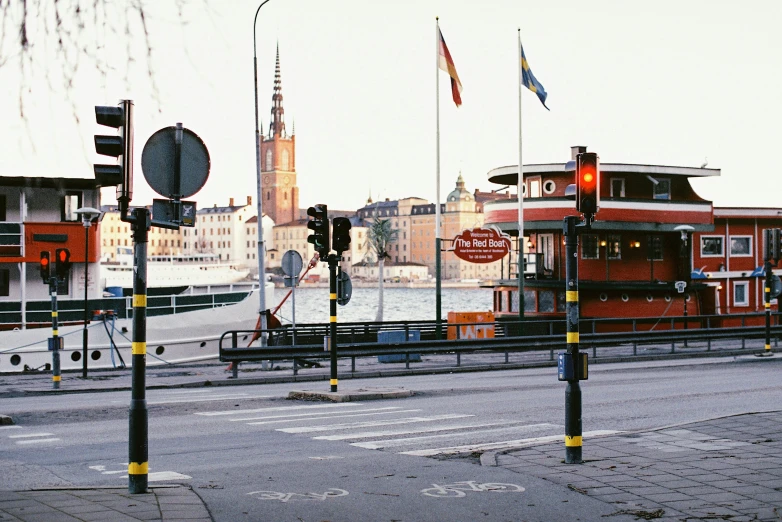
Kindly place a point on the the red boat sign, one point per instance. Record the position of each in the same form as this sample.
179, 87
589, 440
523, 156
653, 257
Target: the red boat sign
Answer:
481, 245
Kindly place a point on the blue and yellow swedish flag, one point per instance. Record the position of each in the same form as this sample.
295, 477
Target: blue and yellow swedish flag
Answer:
530, 82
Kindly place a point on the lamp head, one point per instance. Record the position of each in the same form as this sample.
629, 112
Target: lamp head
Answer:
88, 214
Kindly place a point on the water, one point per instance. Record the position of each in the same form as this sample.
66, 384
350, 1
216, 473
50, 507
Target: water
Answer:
399, 304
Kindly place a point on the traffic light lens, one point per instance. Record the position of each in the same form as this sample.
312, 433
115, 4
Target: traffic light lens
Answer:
63, 255
44, 262
588, 177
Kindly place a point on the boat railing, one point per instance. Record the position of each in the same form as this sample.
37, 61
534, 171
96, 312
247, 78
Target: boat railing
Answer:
731, 333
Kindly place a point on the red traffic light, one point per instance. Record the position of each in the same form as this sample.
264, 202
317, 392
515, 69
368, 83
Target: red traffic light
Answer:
587, 183
63, 255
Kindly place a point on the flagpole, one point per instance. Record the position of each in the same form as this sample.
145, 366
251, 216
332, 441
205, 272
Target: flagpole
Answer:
437, 241
520, 192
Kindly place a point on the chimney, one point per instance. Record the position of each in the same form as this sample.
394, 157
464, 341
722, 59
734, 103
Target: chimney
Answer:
231, 202
249, 200
575, 150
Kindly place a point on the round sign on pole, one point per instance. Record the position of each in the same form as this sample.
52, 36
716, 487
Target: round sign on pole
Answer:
159, 162
291, 263
344, 288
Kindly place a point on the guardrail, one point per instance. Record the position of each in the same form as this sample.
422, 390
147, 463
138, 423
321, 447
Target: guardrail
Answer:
704, 334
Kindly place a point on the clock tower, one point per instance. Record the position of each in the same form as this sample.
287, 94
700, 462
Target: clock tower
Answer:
278, 162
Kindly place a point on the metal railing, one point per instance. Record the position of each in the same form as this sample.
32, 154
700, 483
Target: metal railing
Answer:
359, 339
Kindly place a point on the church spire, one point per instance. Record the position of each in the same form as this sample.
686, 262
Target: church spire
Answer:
277, 125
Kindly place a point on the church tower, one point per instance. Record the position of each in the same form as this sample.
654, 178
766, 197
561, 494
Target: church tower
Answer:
278, 162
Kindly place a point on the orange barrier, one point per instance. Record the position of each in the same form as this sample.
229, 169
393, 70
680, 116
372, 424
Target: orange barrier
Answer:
470, 328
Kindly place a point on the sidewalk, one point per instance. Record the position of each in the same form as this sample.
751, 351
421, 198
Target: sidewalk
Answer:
105, 504
727, 468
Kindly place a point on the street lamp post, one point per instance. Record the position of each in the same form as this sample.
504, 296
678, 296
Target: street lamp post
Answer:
261, 245
87, 215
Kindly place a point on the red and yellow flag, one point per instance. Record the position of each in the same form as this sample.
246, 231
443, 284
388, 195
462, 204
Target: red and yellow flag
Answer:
446, 64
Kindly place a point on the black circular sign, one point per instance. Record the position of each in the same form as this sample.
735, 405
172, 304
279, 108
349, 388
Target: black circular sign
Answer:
158, 163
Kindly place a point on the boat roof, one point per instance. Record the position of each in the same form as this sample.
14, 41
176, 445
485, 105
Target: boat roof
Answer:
508, 175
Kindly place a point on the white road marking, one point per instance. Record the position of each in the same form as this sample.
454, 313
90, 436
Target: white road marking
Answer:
413, 440
309, 429
35, 441
207, 399
497, 445
12, 427
309, 414
392, 433
278, 408
332, 417
26, 435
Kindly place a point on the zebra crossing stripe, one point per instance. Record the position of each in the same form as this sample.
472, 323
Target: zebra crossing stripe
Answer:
279, 408
307, 416
499, 445
333, 417
391, 433
206, 399
349, 425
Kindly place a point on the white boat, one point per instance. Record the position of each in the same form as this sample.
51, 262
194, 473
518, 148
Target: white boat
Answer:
187, 335
169, 271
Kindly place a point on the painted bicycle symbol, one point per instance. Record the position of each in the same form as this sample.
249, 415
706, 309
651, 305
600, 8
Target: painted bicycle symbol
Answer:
292, 497
457, 489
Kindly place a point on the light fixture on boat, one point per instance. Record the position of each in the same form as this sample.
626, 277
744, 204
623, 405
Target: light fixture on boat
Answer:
87, 214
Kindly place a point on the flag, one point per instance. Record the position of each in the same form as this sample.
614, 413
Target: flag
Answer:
446, 64
529, 81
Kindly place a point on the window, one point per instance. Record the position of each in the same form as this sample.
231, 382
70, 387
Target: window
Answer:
614, 246
4, 279
589, 247
3, 207
549, 186
269, 159
71, 202
285, 160
534, 187
741, 293
545, 301
662, 189
741, 246
654, 248
711, 246
617, 187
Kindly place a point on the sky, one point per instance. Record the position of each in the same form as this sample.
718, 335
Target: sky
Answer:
669, 82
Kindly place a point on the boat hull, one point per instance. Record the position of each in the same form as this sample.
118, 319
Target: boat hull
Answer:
175, 338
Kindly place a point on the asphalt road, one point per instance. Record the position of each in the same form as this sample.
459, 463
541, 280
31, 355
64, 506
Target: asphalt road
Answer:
253, 455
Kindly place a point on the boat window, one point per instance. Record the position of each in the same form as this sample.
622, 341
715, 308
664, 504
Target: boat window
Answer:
589, 247
3, 207
546, 301
561, 301
70, 203
741, 246
617, 187
654, 249
712, 246
614, 246
662, 189
4, 281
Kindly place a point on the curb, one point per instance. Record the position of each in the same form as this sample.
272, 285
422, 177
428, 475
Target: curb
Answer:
361, 394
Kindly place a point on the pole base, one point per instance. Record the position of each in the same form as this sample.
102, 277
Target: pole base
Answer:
573, 455
765, 354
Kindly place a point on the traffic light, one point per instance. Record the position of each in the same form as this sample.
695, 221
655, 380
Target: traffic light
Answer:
319, 224
772, 237
587, 183
119, 146
341, 239
62, 263
45, 272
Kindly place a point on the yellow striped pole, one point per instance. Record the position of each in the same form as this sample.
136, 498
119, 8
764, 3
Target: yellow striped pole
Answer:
333, 319
55, 335
138, 451
767, 288
573, 389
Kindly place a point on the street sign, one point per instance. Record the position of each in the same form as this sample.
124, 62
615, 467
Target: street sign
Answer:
344, 288
680, 286
481, 245
291, 263
170, 214
162, 166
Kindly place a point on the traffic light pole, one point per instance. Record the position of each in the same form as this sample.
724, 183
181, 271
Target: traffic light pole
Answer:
138, 446
333, 318
767, 291
55, 347
573, 390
